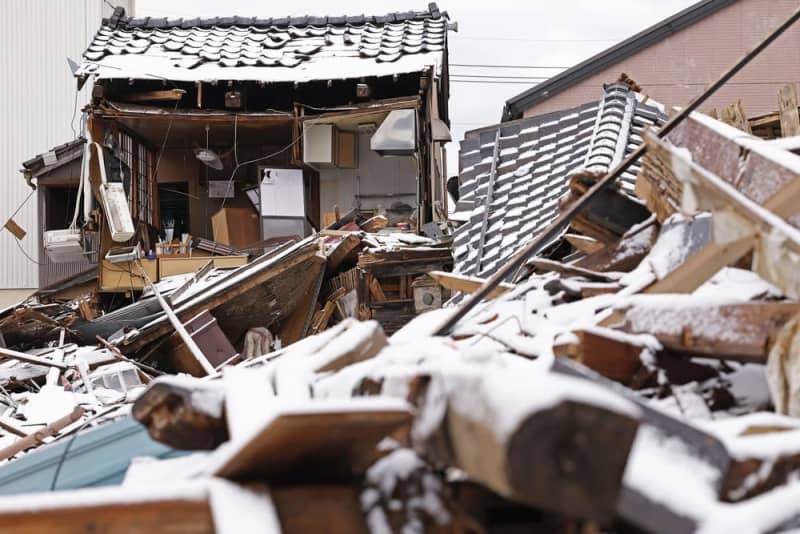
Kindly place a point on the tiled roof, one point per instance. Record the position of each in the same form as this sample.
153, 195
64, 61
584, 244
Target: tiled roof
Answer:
54, 157
256, 46
535, 158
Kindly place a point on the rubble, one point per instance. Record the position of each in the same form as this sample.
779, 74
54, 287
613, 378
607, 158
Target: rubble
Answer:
639, 373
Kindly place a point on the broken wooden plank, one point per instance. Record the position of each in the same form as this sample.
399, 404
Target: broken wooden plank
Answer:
571, 270
614, 355
374, 224
38, 437
467, 284
625, 254
16, 230
584, 243
240, 298
787, 107
297, 324
319, 441
148, 96
543, 449
375, 290
324, 318
734, 115
743, 332
183, 413
329, 508
194, 350
347, 248
699, 267
30, 358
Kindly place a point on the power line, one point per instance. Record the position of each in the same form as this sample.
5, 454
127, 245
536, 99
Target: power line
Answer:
501, 82
493, 76
504, 66
473, 38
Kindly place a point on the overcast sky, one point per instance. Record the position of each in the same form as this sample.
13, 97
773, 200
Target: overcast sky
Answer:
539, 33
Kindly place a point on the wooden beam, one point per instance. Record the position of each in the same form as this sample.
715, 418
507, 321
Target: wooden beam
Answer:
170, 411
222, 292
735, 115
312, 443
584, 243
742, 332
348, 247
296, 326
39, 436
330, 508
30, 358
166, 94
787, 107
571, 270
563, 455
701, 266
467, 284
98, 510
606, 352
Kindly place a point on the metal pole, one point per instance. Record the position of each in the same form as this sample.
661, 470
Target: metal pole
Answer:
566, 216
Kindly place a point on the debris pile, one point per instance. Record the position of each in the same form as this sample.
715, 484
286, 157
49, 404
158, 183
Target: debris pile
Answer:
638, 375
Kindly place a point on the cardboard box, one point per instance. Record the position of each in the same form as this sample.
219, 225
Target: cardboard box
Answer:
127, 275
169, 266
237, 227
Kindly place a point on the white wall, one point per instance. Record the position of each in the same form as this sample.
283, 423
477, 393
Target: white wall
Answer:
37, 99
376, 175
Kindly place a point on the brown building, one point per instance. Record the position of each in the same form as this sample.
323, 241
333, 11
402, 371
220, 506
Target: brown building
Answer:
677, 58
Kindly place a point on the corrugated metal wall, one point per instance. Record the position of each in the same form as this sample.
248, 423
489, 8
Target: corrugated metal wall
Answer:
37, 100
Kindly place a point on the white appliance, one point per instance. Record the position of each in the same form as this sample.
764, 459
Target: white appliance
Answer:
64, 246
124, 254
115, 202
283, 202
318, 144
282, 192
397, 134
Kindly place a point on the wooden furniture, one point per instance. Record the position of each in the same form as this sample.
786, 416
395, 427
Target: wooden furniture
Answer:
172, 265
127, 275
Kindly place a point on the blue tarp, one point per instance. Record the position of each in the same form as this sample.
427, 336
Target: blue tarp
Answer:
97, 457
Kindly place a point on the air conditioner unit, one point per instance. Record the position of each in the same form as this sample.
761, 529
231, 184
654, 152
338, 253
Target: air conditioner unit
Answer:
124, 254
64, 246
115, 204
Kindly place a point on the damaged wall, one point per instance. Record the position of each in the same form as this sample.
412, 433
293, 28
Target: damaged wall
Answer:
678, 67
37, 107
376, 176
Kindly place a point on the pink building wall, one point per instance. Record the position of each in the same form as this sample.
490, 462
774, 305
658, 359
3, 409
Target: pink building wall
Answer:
679, 67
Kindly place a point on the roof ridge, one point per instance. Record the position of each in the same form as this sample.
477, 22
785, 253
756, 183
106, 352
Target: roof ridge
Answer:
118, 19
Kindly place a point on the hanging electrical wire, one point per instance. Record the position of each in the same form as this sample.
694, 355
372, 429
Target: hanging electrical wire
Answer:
243, 163
484, 66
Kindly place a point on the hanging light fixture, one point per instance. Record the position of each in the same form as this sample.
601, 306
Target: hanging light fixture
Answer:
208, 156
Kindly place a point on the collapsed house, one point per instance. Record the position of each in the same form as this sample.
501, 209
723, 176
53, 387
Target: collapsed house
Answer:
210, 143
637, 375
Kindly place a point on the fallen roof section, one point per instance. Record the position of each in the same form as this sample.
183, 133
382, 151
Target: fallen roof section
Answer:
53, 158
511, 201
